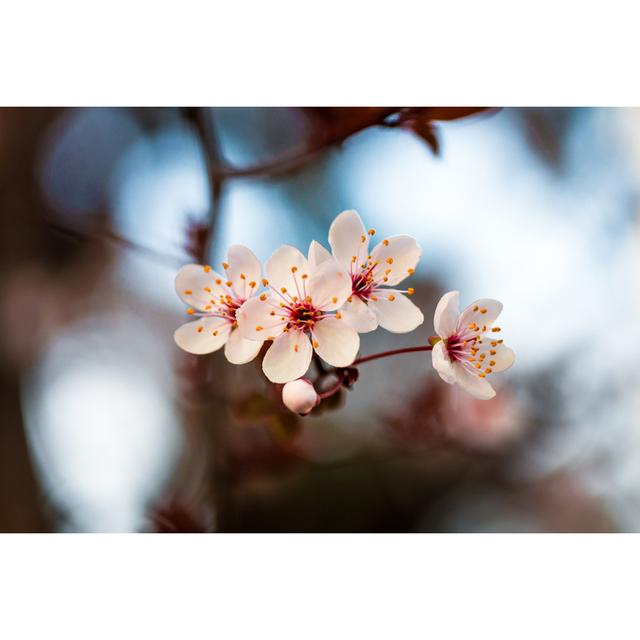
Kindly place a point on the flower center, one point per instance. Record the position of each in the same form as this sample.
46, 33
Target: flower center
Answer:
302, 315
460, 348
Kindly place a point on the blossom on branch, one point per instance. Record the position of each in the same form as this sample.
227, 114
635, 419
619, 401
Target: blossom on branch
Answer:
468, 350
214, 300
299, 313
372, 302
300, 396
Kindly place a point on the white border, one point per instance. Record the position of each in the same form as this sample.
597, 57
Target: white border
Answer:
318, 586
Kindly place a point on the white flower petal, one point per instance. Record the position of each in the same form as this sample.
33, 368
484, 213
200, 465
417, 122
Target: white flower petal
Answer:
442, 363
473, 384
329, 286
346, 238
398, 315
204, 335
288, 357
278, 269
192, 282
239, 350
500, 355
397, 255
483, 312
336, 341
358, 314
242, 262
317, 254
445, 318
255, 319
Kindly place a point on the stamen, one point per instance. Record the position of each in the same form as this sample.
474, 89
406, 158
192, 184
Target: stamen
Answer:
188, 292
410, 291
263, 297
207, 268
225, 265
385, 242
190, 311
372, 232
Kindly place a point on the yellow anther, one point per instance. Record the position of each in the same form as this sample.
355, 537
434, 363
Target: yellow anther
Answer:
295, 348
243, 277
476, 308
225, 265
363, 238
492, 363
315, 344
294, 269
308, 299
218, 281
305, 276
252, 284
410, 291
478, 366
228, 283
411, 271
372, 232
200, 328
207, 289
295, 298
265, 282
494, 343
259, 328
483, 311
391, 297
493, 351
385, 242
488, 370
334, 299
385, 279
190, 311
472, 325
263, 296
387, 272
389, 260
481, 375
215, 333
273, 313
283, 290
338, 316
207, 268
270, 338
207, 307
353, 258
188, 292
350, 299
495, 329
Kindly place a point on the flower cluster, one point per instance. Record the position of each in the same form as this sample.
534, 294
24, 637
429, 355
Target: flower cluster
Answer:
321, 302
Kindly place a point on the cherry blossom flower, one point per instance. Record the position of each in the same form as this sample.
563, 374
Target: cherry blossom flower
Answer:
372, 302
214, 300
303, 299
300, 396
469, 350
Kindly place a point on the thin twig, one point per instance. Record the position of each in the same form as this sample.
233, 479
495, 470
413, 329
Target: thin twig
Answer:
384, 354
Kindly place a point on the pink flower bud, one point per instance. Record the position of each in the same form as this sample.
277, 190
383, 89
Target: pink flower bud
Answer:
299, 396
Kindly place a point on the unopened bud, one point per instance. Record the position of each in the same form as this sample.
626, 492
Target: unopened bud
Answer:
299, 396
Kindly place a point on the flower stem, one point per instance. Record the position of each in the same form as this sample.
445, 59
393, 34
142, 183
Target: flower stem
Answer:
335, 388
386, 354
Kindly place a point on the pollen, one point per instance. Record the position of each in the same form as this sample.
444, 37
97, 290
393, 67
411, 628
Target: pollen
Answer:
374, 298
315, 344
294, 269
363, 238
228, 283
207, 268
295, 348
391, 297
283, 290
263, 297
188, 292
389, 260
372, 232
492, 363
385, 242
411, 271
488, 370
265, 282
218, 281
243, 277
190, 311
482, 375
476, 308
478, 366
492, 352
353, 258
215, 333
334, 299
272, 313
252, 284
259, 328
350, 299
225, 265
410, 291
305, 276
207, 307
207, 289
483, 311
495, 329
338, 316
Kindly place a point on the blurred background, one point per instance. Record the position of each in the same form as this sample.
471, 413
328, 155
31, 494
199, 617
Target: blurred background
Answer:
105, 425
